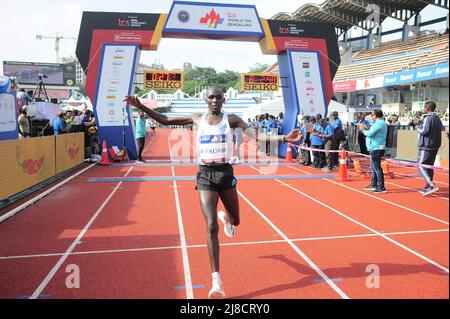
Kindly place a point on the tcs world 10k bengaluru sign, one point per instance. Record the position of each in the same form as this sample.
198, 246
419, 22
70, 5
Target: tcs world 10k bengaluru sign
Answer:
308, 58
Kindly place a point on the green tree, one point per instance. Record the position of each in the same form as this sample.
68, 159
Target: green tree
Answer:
258, 67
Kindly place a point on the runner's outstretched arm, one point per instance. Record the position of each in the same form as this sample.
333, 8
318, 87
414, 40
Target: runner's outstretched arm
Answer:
158, 117
237, 122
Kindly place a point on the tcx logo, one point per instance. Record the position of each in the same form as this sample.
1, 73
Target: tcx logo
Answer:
124, 23
284, 30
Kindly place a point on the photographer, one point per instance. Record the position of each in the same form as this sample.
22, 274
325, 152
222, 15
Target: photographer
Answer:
24, 124
59, 125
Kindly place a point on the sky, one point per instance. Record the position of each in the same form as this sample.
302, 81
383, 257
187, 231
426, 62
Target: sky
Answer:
22, 20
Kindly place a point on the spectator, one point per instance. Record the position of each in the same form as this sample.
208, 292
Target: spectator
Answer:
394, 120
317, 143
141, 133
271, 129
88, 118
304, 158
24, 124
361, 137
259, 127
416, 120
280, 122
76, 118
339, 135
328, 140
376, 145
238, 139
59, 125
429, 142
23, 98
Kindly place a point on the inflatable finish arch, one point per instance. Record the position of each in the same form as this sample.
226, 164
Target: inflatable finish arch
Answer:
109, 45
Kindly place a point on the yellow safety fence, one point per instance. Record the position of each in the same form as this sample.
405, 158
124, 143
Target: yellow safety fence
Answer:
27, 162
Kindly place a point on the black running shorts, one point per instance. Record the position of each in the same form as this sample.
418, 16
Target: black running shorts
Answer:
215, 178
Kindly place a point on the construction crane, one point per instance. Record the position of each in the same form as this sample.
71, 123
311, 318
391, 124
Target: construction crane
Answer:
57, 38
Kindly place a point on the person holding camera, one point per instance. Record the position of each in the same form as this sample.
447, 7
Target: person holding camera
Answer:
24, 124
59, 125
376, 145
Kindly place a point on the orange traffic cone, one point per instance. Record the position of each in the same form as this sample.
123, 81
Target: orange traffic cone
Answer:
105, 159
359, 170
289, 154
343, 176
385, 168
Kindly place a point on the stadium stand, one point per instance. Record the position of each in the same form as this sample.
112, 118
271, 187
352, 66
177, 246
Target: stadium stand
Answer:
396, 56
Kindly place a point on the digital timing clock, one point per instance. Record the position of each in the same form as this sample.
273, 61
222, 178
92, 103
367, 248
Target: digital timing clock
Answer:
260, 82
166, 80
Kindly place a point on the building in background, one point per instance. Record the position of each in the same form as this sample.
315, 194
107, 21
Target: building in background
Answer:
187, 66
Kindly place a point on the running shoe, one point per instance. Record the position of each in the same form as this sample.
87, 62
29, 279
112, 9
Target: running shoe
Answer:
380, 191
216, 292
326, 170
370, 188
424, 190
228, 229
429, 191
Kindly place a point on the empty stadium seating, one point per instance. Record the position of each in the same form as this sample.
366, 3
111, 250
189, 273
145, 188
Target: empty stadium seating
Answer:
396, 56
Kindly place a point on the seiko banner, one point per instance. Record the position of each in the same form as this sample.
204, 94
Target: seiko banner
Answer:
223, 19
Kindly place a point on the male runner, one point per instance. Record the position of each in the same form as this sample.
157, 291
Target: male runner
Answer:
215, 178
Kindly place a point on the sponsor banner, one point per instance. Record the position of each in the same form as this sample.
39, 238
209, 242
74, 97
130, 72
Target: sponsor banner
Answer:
208, 18
366, 108
28, 162
344, 86
8, 117
69, 151
53, 73
308, 82
368, 84
123, 27
260, 82
295, 35
167, 80
417, 75
117, 72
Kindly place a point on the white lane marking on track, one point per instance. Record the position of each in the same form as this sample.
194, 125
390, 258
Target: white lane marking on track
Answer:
55, 268
43, 194
184, 253
262, 242
378, 198
366, 227
298, 251
148, 145
412, 189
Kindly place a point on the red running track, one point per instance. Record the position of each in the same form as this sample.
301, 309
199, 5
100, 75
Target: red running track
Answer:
305, 238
